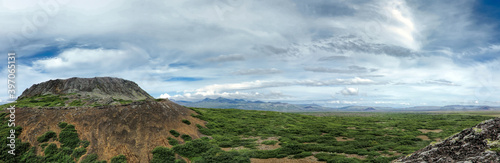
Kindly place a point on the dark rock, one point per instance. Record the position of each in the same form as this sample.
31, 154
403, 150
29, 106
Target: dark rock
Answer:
476, 144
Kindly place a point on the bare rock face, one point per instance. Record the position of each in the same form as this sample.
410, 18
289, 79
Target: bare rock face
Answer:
98, 87
480, 143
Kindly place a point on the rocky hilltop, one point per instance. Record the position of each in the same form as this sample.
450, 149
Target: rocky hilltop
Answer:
480, 143
98, 87
133, 128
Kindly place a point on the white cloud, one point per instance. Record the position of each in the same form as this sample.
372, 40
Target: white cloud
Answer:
227, 58
237, 95
349, 91
165, 96
353, 81
350, 69
92, 60
247, 89
257, 71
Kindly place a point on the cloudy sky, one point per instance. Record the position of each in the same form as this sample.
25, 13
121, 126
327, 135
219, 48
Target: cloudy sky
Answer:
333, 53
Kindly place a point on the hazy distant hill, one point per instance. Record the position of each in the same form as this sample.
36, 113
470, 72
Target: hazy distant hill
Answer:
286, 107
253, 105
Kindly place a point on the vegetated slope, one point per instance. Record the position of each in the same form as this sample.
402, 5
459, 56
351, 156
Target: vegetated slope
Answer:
132, 125
480, 143
374, 137
225, 103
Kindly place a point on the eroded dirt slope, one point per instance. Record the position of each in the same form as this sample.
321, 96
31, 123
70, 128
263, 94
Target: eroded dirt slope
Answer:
133, 130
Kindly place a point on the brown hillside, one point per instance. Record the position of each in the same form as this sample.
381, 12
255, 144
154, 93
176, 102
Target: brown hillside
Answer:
133, 130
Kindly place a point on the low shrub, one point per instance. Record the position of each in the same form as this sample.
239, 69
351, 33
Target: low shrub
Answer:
172, 141
62, 124
269, 142
119, 159
163, 154
47, 136
78, 152
174, 133
302, 155
92, 158
193, 148
186, 121
186, 138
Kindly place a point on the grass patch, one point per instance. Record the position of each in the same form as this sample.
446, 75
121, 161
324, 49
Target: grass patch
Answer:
76, 103
122, 101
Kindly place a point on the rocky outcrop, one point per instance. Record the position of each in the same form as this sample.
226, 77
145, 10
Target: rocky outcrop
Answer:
480, 143
98, 87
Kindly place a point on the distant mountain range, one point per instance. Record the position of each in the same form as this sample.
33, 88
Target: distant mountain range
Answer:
225, 103
253, 105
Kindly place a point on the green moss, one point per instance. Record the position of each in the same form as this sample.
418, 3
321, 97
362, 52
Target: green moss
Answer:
122, 101
76, 103
497, 149
477, 130
41, 101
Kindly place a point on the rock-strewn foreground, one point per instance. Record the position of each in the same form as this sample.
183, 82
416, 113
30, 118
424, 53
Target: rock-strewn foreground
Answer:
477, 144
133, 129
101, 87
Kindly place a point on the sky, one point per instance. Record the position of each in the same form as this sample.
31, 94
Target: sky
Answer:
332, 53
